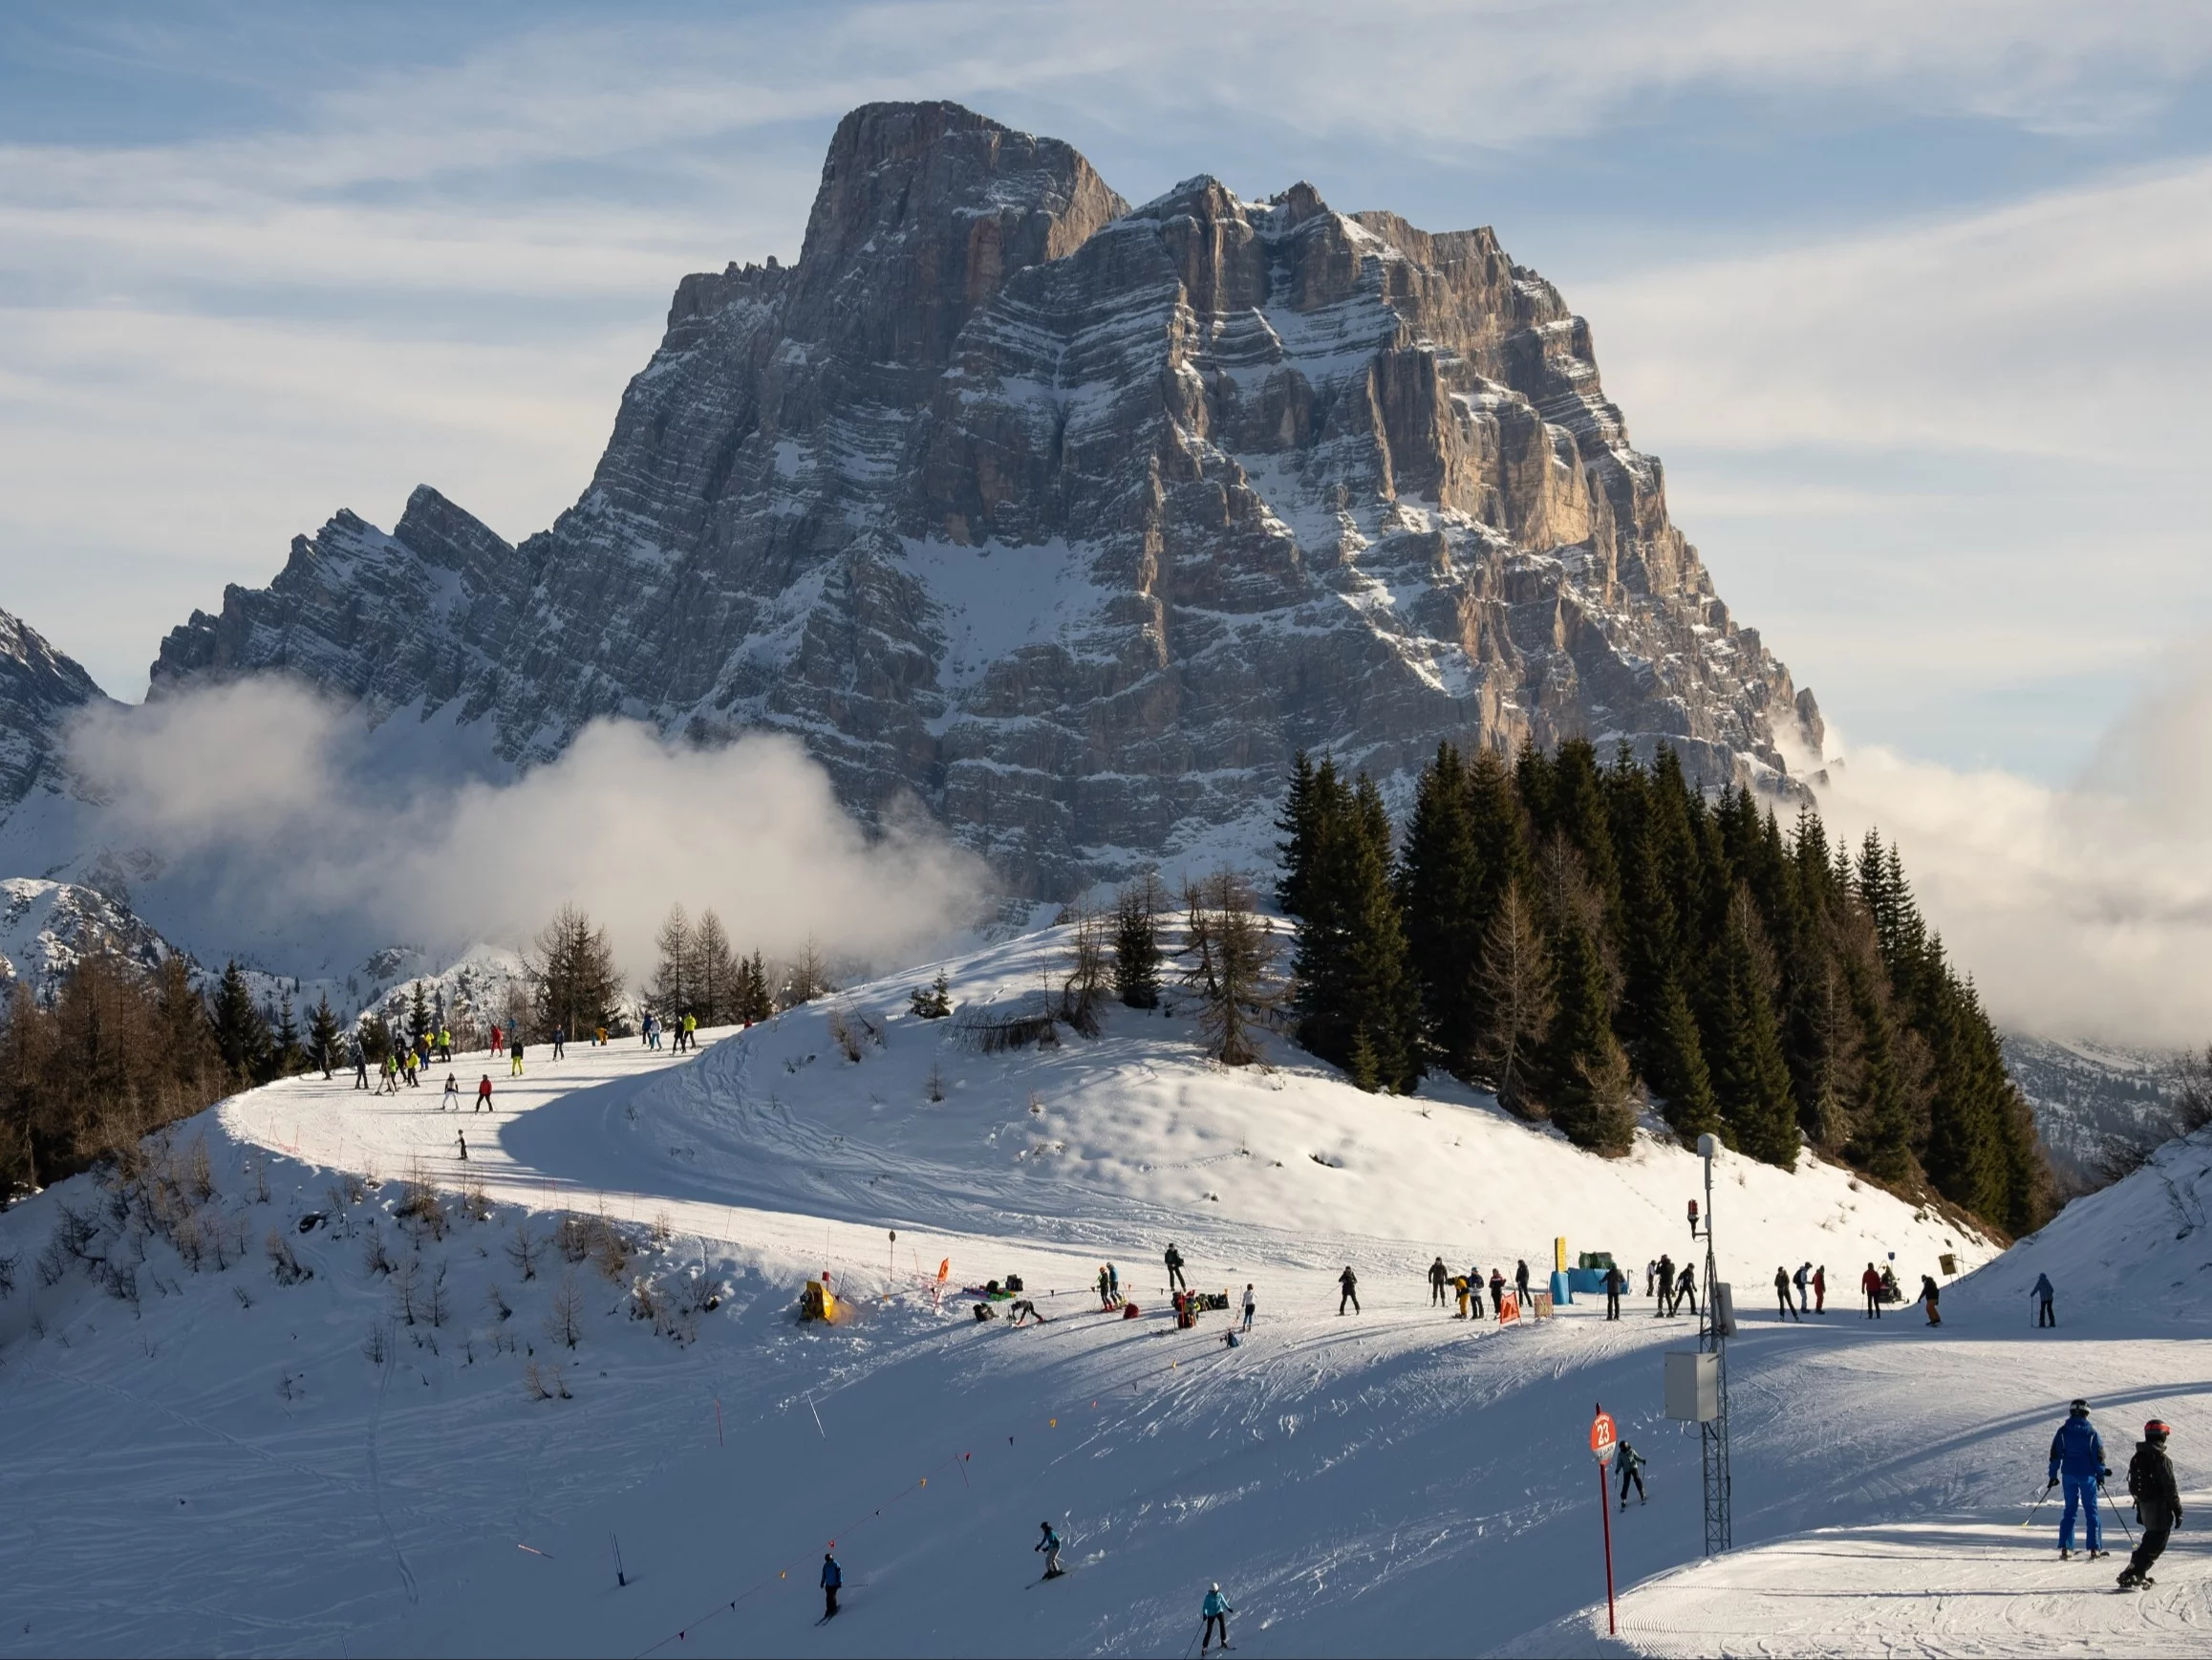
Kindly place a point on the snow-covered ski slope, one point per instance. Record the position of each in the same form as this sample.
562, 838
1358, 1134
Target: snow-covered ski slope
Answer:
223, 1468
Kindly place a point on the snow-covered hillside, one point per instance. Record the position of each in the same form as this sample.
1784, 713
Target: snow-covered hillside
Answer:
216, 1462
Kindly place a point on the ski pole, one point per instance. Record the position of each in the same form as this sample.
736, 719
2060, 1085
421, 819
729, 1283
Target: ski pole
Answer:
2116, 1515
2037, 1505
1193, 1642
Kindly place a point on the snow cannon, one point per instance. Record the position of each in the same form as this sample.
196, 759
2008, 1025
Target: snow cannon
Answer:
818, 1303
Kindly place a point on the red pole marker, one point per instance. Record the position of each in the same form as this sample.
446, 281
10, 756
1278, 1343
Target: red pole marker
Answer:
1602, 1436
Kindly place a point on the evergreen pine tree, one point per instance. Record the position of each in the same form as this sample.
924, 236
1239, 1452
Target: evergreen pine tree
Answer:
1383, 1007
241, 1034
1585, 1077
673, 991
1440, 900
326, 1038
1750, 1078
1136, 942
1677, 1051
419, 1023
1310, 797
289, 1058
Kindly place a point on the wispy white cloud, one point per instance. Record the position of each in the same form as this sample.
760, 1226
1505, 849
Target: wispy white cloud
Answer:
2083, 911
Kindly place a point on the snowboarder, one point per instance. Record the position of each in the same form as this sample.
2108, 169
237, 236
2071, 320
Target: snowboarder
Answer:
1248, 1305
560, 1042
484, 1095
1521, 1284
832, 1576
1930, 1291
1665, 1288
1802, 1278
515, 1055
1497, 1294
1049, 1544
2077, 1454
452, 1094
1437, 1274
1631, 1463
1350, 1282
1820, 1289
1685, 1287
2157, 1500
1216, 1610
1870, 1283
2043, 1294
1616, 1282
1174, 1261
1782, 1293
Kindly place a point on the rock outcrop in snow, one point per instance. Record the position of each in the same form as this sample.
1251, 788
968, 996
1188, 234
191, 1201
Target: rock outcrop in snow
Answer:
47, 928
1073, 520
40, 688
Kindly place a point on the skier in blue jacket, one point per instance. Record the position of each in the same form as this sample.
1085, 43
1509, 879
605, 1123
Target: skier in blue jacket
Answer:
832, 1577
2077, 1454
1216, 1610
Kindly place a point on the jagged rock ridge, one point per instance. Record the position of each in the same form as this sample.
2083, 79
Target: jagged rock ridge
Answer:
1072, 519
40, 689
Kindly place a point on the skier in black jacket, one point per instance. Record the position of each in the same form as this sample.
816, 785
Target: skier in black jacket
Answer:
1437, 1275
2157, 1500
1350, 1282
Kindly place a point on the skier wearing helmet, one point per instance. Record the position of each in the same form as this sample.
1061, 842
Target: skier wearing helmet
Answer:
2077, 1453
2158, 1503
1216, 1610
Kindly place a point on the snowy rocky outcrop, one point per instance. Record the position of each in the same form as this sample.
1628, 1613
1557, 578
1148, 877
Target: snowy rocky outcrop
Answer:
2094, 1101
1071, 519
46, 928
40, 688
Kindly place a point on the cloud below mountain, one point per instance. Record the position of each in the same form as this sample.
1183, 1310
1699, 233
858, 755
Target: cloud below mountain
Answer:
2080, 912
278, 819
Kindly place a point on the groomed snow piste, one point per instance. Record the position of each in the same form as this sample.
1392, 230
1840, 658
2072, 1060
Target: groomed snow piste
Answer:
224, 1464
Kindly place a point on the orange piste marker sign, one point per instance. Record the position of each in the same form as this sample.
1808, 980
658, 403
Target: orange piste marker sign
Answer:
1602, 1436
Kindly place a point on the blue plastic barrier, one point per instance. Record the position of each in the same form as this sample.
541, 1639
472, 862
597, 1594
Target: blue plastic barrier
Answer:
1590, 1280
1562, 1287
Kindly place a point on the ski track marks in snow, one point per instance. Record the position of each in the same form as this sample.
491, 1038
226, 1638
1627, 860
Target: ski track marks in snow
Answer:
1393, 1481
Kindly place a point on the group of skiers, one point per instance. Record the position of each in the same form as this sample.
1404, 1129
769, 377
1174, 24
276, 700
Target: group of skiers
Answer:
1670, 1286
2077, 1465
1466, 1289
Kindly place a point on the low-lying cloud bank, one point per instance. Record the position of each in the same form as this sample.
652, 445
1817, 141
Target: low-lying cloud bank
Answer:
283, 828
2081, 912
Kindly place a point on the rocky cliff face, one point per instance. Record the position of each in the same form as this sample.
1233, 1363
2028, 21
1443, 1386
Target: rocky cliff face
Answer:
40, 690
1071, 519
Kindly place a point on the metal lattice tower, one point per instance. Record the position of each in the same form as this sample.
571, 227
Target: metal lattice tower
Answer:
1713, 1436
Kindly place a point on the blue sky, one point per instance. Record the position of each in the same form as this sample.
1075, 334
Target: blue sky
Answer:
1911, 299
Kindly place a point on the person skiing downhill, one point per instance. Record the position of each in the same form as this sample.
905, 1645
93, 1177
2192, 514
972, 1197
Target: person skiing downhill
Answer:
2043, 1294
1216, 1611
484, 1095
560, 1042
2077, 1455
1350, 1282
1049, 1544
1174, 1261
1437, 1274
1631, 1463
832, 1576
1686, 1289
515, 1055
1782, 1295
2157, 1500
452, 1094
